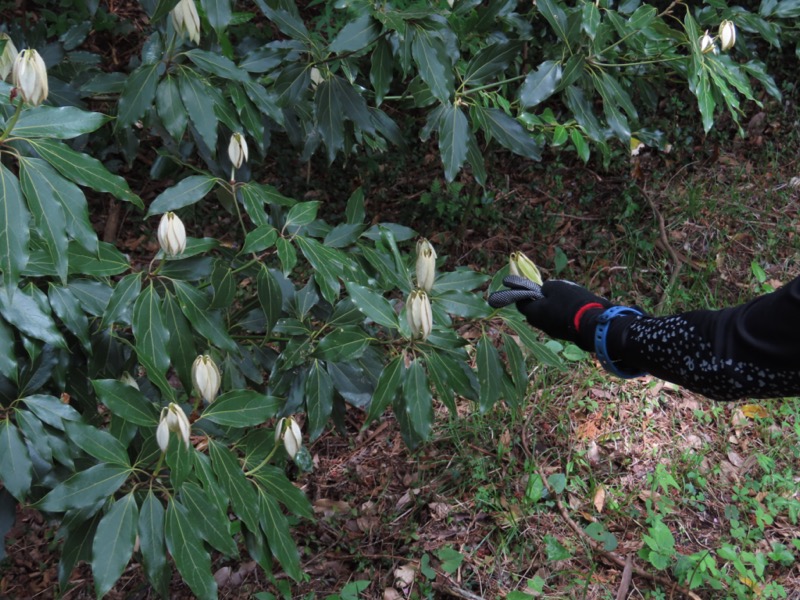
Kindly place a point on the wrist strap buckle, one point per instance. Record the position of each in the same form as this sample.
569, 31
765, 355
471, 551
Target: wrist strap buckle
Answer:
600, 340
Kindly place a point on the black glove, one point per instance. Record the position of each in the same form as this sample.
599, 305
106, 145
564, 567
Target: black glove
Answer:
564, 310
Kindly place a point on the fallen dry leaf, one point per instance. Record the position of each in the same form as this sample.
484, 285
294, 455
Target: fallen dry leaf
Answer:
392, 594
599, 498
329, 508
404, 575
754, 410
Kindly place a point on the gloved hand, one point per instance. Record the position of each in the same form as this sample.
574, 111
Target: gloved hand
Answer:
565, 310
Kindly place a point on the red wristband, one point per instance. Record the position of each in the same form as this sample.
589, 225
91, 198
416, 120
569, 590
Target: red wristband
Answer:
578, 315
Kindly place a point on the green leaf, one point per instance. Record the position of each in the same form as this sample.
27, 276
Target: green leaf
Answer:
590, 20
453, 134
389, 382
77, 546
242, 408
209, 323
97, 443
262, 237
32, 428
540, 84
556, 16
356, 35
222, 280
354, 211
113, 543
288, 23
188, 552
151, 543
190, 190
51, 410
170, 107
463, 304
330, 117
273, 479
373, 305
434, 64
62, 123
126, 402
276, 528
705, 100
151, 335
509, 132
380, 74
330, 265
558, 482
319, 399
583, 113
68, 309
491, 61
555, 550
84, 488
14, 229
580, 144
106, 261
138, 95
212, 523
162, 9
84, 170
199, 103
217, 64
24, 313
490, 374
241, 492
16, 468
218, 13
270, 296
343, 344
343, 235
181, 348
125, 292
541, 352
418, 399
302, 213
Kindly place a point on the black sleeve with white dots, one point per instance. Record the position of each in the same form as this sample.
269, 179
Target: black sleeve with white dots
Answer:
748, 351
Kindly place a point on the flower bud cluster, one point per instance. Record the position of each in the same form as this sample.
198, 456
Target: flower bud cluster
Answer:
419, 315
173, 420
186, 21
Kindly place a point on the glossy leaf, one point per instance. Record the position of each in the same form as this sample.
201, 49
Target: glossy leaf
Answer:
330, 265
270, 296
302, 213
216, 64
113, 543
68, 309
590, 20
539, 85
181, 347
170, 107
238, 488
23, 312
373, 305
138, 95
330, 118
51, 410
126, 402
16, 468
583, 112
125, 292
434, 64
199, 103
491, 61
106, 261
97, 443
356, 35
194, 304
212, 523
14, 228
508, 132
453, 134
418, 399
188, 552
385, 392
62, 123
541, 352
151, 336
259, 239
189, 191
343, 344
319, 399
380, 74
555, 15
48, 214
84, 488
152, 544
242, 408
276, 528
490, 373
273, 479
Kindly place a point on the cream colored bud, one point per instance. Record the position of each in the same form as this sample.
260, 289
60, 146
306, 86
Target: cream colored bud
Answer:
237, 150
8, 57
426, 265
522, 266
419, 315
707, 44
174, 420
29, 76
186, 20
128, 379
171, 234
206, 377
316, 76
727, 35
289, 431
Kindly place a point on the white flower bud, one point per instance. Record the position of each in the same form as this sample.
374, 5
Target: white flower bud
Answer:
707, 44
206, 377
186, 20
171, 234
316, 77
289, 431
128, 380
522, 266
426, 265
419, 315
29, 76
727, 35
173, 419
237, 150
8, 57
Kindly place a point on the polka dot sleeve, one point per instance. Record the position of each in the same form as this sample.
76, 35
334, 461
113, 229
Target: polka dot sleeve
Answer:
748, 351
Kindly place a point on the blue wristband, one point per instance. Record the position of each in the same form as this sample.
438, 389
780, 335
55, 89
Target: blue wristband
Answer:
600, 340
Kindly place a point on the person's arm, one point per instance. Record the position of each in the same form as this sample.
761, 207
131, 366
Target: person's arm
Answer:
752, 350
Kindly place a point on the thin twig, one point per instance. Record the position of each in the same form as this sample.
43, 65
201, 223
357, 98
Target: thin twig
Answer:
612, 557
625, 583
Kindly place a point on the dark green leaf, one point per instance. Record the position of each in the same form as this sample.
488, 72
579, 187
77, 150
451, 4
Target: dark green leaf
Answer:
32, 428
330, 117
273, 479
269, 296
302, 213
262, 237
16, 468
209, 323
24, 313
162, 8
138, 95
242, 408
97, 443
373, 305
540, 84
151, 543
380, 74
84, 170
62, 123
188, 552
343, 235
330, 265
356, 35
434, 64
84, 488
180, 346
276, 528
583, 113
490, 374
14, 229
218, 13
170, 107
213, 524
151, 335
541, 352
126, 402
319, 399
343, 344
463, 304
106, 261
354, 212
125, 292
509, 132
453, 133
491, 61
199, 102
705, 100
288, 23
113, 543
222, 280
238, 488
389, 382
418, 399
77, 546
590, 19
555, 15
68, 309
190, 190
51, 410
216, 64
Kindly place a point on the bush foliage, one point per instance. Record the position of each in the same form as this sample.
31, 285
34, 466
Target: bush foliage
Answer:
302, 315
